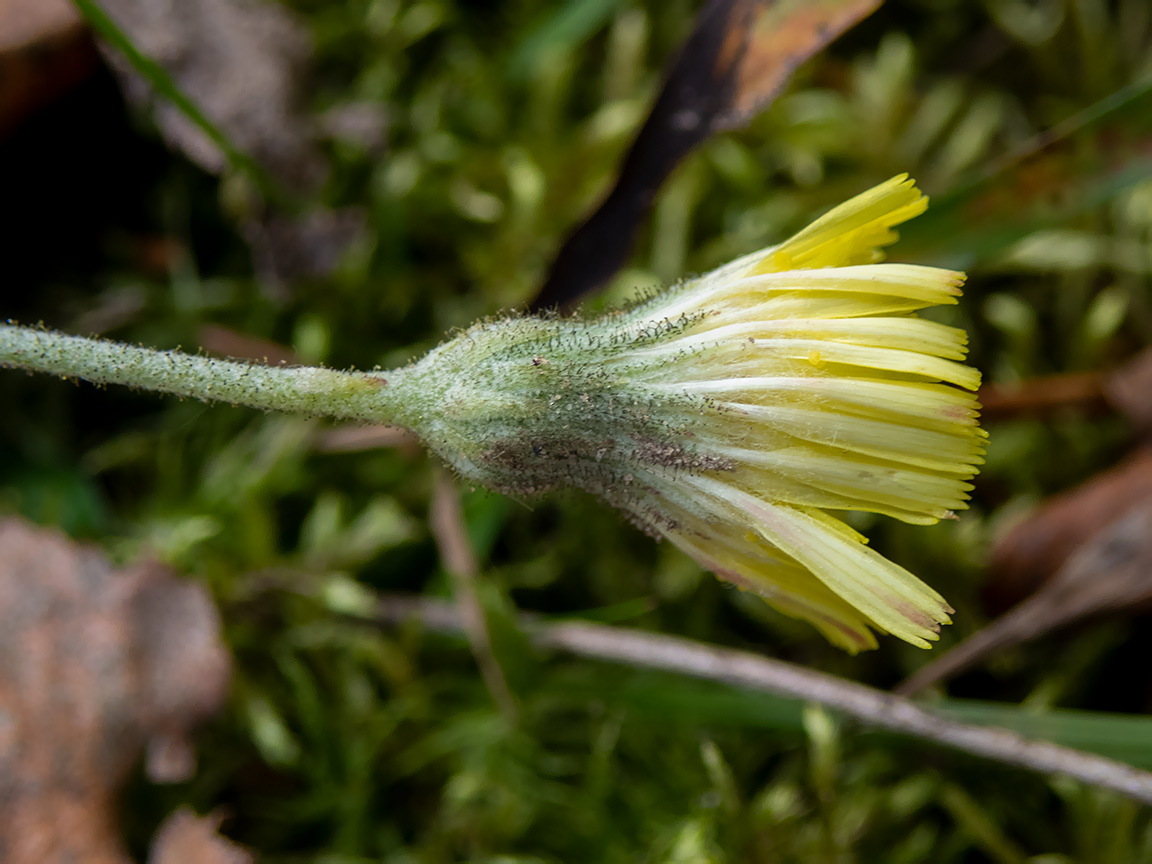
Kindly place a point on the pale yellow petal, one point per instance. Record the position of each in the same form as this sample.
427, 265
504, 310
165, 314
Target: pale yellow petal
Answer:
890, 597
904, 334
932, 406
851, 233
785, 585
945, 452
867, 483
929, 285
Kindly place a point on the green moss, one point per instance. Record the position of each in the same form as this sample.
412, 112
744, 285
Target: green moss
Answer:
505, 124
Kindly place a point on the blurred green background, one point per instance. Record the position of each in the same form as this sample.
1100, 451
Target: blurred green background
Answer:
489, 130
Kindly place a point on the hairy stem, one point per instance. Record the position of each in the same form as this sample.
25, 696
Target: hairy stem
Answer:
300, 389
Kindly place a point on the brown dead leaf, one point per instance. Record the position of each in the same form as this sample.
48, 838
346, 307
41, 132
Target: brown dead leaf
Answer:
95, 663
446, 520
27, 22
1129, 389
44, 52
1083, 553
186, 838
241, 62
779, 37
738, 57
1034, 550
1080, 553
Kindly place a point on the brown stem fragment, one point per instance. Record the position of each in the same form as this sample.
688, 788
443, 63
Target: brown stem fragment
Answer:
459, 560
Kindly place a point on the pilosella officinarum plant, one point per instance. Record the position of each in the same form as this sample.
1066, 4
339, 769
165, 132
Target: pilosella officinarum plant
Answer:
729, 414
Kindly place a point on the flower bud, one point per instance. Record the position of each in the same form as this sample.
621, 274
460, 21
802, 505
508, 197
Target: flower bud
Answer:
731, 413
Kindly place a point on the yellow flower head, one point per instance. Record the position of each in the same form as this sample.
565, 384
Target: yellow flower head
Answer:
731, 413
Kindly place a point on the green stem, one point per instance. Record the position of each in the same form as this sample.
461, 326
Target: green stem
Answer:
296, 389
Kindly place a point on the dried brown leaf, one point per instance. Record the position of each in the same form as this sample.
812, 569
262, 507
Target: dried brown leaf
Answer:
737, 59
1086, 552
241, 62
459, 558
94, 664
1129, 389
28, 22
44, 52
1035, 549
777, 38
186, 838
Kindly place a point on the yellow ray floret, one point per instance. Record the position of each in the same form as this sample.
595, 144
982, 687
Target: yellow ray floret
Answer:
851, 233
826, 393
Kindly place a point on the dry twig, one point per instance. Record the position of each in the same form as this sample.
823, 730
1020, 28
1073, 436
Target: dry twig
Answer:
753, 672
459, 559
